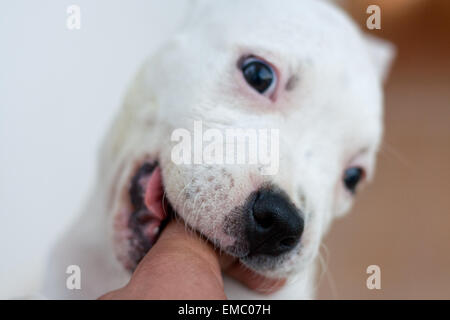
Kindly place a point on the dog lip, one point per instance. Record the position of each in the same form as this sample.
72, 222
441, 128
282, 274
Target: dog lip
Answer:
154, 192
149, 210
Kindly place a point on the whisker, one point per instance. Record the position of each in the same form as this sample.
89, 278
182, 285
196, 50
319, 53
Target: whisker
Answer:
325, 271
389, 150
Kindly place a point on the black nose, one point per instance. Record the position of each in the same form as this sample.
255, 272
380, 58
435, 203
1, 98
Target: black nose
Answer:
274, 225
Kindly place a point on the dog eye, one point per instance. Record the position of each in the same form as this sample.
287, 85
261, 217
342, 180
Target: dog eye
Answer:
352, 177
259, 75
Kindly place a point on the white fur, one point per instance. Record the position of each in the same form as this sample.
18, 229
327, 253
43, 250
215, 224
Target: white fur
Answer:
330, 119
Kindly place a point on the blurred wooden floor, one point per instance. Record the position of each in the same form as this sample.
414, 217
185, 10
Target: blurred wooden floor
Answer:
402, 221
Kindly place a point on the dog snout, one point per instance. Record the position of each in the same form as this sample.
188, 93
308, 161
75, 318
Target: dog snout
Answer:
274, 225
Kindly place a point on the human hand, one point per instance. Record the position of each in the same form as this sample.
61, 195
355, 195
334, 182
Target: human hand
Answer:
182, 266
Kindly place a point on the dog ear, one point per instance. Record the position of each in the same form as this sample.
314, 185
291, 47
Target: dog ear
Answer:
382, 54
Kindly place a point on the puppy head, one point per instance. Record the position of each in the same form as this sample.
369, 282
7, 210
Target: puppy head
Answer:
298, 69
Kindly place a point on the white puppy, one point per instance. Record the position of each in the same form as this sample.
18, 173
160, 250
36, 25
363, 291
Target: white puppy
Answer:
301, 67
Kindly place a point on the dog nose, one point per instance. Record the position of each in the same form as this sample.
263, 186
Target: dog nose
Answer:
274, 224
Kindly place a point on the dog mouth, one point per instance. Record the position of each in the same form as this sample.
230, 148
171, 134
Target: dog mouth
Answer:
150, 210
149, 213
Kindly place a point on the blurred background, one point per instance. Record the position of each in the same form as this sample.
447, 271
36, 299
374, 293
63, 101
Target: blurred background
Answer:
402, 221
59, 90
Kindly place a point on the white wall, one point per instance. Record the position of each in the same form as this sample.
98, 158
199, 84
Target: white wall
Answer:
59, 90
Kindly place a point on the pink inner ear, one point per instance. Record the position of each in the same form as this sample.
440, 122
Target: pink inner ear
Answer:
154, 195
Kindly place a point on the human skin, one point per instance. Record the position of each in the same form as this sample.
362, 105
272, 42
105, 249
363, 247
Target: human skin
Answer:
181, 265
